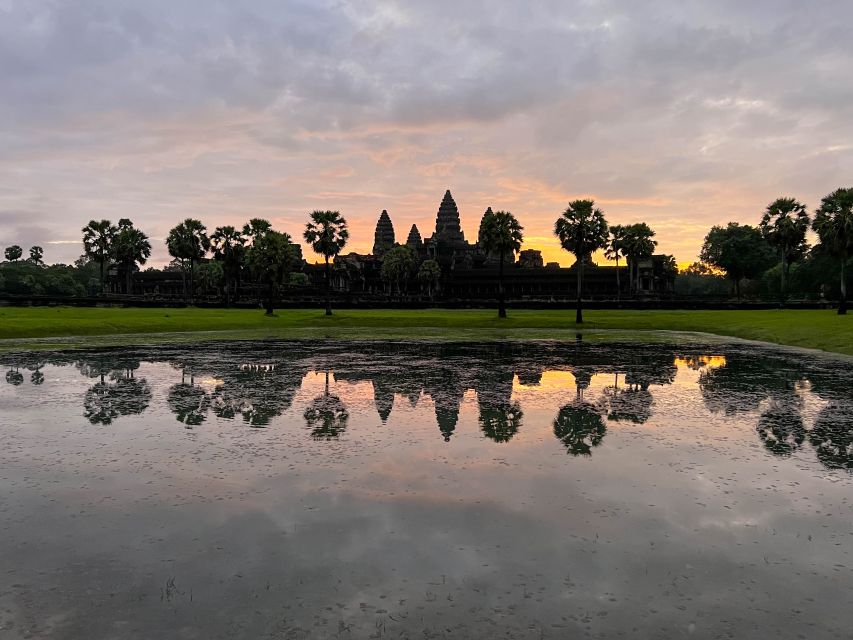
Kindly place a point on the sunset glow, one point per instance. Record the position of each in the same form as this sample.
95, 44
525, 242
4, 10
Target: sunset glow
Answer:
682, 116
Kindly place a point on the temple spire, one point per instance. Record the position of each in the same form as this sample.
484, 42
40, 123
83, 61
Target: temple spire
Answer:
447, 225
414, 240
383, 238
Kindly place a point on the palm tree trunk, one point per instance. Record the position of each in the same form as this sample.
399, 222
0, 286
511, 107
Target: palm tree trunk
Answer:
784, 290
578, 310
737, 288
102, 274
618, 285
501, 307
842, 304
328, 289
129, 280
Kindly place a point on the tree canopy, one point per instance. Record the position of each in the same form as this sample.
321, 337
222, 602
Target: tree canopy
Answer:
739, 250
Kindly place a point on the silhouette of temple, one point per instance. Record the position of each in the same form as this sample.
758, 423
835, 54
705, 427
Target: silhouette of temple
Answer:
468, 273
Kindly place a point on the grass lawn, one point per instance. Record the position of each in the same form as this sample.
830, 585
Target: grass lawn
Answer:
33, 327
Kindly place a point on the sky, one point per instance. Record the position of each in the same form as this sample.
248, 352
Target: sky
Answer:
680, 114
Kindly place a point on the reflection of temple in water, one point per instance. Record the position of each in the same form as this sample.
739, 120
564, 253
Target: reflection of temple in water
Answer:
256, 385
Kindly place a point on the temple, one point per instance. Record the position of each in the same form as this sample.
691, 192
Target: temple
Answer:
468, 273
465, 274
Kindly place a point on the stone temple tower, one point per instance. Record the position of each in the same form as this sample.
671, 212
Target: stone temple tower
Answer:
447, 226
414, 241
383, 238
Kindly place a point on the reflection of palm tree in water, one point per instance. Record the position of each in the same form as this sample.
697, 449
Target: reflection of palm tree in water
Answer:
832, 435
499, 418
14, 377
579, 425
327, 415
500, 422
781, 427
125, 395
37, 377
188, 402
631, 403
256, 392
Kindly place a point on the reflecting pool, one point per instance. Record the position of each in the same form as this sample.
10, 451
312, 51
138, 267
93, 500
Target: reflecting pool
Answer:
426, 490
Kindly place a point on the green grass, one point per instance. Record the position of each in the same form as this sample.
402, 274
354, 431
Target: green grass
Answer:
47, 327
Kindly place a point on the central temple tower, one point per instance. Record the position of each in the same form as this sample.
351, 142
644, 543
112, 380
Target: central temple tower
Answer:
447, 226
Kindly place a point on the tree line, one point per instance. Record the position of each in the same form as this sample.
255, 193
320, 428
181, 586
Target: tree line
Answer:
266, 257
746, 252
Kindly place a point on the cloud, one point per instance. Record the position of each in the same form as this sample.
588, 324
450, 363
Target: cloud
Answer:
699, 112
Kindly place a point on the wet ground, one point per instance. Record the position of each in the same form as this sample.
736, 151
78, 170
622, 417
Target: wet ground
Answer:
517, 490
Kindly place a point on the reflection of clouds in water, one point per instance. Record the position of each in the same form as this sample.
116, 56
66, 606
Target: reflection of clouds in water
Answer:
264, 532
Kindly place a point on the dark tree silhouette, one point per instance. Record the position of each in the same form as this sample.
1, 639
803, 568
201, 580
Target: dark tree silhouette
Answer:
398, 264
327, 234
614, 249
784, 225
228, 246
429, 274
188, 243
98, 242
638, 245
582, 230
833, 223
13, 253
739, 250
500, 233
130, 247
36, 255
270, 260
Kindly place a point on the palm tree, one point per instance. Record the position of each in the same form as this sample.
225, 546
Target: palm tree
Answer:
637, 246
130, 246
37, 255
228, 247
833, 223
429, 274
327, 234
500, 232
188, 242
615, 247
97, 243
582, 230
270, 259
255, 228
784, 225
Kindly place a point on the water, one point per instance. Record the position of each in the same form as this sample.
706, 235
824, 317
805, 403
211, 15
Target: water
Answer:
519, 490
